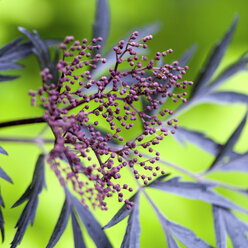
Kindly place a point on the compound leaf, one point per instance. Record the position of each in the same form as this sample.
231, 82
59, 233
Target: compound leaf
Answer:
199, 139
31, 194
186, 236
227, 223
60, 225
238, 163
195, 191
171, 242
227, 148
93, 227
214, 59
223, 97
239, 65
4, 78
121, 214
9, 66
219, 227
236, 229
40, 48
77, 233
10, 46
14, 51
2, 151
5, 176
133, 229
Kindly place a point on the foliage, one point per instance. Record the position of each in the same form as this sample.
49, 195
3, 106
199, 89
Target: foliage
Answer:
153, 84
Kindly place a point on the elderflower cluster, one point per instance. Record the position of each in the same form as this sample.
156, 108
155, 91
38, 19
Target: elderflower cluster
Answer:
89, 117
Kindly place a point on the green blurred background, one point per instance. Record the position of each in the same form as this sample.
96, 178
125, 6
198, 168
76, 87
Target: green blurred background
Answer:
184, 22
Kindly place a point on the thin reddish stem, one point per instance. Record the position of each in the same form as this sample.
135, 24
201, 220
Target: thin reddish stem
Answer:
22, 122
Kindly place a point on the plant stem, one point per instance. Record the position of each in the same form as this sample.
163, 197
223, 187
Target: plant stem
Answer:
37, 141
22, 122
27, 140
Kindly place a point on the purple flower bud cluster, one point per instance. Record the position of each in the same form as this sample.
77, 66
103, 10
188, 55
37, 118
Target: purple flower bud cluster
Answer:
79, 107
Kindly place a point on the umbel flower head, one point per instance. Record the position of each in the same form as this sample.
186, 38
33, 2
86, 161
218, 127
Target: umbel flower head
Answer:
79, 107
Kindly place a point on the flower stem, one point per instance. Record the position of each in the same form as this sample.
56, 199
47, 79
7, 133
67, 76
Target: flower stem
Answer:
26, 140
22, 122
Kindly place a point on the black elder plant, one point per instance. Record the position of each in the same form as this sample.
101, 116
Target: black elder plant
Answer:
109, 114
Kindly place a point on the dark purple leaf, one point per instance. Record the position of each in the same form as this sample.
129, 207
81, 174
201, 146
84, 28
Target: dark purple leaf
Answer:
15, 51
196, 191
23, 221
236, 229
171, 242
238, 163
33, 212
10, 46
133, 229
1, 217
186, 236
227, 148
22, 51
24, 197
8, 55
163, 221
121, 214
231, 70
38, 182
93, 227
31, 195
4, 78
223, 97
102, 23
5, 176
9, 66
60, 225
40, 48
219, 227
77, 233
2, 151
197, 138
214, 60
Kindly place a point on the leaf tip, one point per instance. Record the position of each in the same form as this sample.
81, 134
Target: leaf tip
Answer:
21, 29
